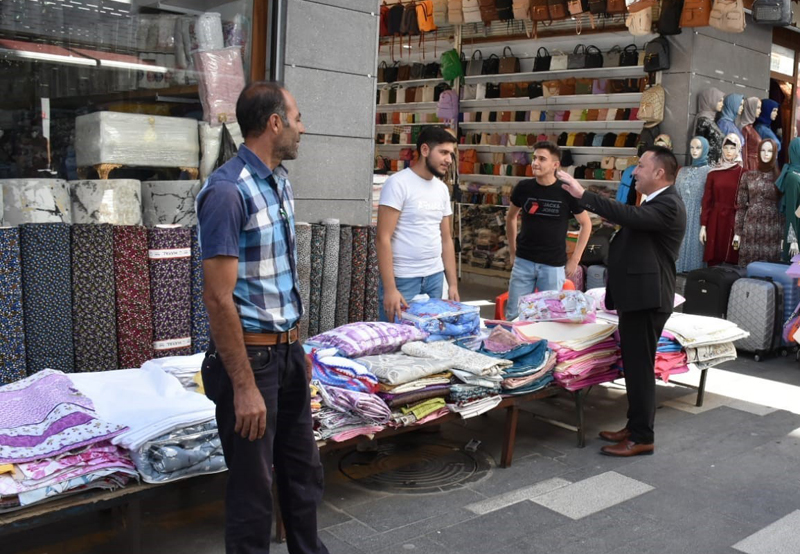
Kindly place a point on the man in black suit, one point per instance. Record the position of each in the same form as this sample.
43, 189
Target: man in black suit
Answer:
641, 284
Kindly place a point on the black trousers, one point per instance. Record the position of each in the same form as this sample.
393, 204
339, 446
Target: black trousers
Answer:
288, 445
639, 333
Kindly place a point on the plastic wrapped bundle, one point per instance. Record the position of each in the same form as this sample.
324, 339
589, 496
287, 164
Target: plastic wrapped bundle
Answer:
566, 306
36, 201
208, 30
210, 136
221, 77
443, 319
136, 140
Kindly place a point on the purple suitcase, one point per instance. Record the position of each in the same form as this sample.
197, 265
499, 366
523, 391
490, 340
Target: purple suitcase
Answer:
777, 272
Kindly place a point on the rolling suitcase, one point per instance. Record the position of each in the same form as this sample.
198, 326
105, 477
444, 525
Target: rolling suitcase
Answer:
680, 289
756, 306
777, 272
708, 289
596, 276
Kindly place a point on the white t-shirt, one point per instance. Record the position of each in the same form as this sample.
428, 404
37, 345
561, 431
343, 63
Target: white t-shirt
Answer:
417, 239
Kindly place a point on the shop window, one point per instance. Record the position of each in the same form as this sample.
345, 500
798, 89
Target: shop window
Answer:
63, 59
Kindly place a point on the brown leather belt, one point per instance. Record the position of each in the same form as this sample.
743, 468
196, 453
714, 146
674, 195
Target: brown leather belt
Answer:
271, 339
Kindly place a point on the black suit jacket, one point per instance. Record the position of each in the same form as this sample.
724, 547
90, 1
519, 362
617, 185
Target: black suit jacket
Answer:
642, 255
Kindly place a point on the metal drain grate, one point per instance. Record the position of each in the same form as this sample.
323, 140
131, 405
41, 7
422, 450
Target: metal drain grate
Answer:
414, 465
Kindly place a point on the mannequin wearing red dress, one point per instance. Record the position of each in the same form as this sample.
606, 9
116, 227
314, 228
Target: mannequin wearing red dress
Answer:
752, 140
718, 214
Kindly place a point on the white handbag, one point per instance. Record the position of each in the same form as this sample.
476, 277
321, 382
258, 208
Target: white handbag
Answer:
384, 96
469, 92
480, 91
428, 93
559, 61
471, 10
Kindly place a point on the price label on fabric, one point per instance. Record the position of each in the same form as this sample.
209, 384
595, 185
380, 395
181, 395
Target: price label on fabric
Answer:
169, 253
172, 343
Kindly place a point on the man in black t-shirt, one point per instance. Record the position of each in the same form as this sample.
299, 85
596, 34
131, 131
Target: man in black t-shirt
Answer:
539, 253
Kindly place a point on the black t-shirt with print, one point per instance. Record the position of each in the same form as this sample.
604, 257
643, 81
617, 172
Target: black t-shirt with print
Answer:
546, 211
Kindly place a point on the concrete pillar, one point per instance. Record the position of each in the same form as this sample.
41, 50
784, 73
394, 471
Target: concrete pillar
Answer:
331, 61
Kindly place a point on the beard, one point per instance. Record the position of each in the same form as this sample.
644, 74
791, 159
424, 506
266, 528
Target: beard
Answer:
434, 170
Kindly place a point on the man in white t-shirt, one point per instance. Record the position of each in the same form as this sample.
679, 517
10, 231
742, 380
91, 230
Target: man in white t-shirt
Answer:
415, 243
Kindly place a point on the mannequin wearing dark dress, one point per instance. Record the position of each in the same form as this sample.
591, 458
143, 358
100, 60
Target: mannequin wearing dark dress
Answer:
759, 224
752, 140
709, 103
718, 215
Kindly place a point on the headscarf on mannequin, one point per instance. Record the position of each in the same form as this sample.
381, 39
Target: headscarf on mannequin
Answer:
663, 140
772, 165
707, 101
749, 113
792, 165
703, 159
734, 139
730, 107
763, 125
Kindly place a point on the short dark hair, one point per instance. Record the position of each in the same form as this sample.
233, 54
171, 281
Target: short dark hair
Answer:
433, 136
256, 104
551, 147
666, 160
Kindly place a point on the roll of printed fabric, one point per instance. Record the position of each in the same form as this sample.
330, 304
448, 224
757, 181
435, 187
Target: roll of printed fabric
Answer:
170, 255
358, 274
47, 296
94, 322
317, 269
373, 275
201, 331
134, 312
303, 238
330, 276
12, 321
345, 275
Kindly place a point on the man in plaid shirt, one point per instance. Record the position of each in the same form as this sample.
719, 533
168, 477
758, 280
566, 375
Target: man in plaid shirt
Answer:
255, 368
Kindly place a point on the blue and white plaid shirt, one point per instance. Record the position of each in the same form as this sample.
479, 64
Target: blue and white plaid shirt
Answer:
246, 210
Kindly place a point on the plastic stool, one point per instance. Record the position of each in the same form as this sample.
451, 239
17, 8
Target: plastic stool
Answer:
501, 301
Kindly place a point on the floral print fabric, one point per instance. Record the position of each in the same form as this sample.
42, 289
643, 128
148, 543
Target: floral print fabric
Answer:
170, 291
134, 312
94, 318
201, 330
358, 274
12, 322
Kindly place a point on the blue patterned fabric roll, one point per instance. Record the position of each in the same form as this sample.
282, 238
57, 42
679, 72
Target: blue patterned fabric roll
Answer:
12, 322
47, 296
94, 314
201, 330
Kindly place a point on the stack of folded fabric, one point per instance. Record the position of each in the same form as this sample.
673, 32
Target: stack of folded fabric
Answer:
471, 400
336, 371
708, 341
587, 354
57, 444
349, 413
409, 385
533, 362
184, 368
670, 357
443, 319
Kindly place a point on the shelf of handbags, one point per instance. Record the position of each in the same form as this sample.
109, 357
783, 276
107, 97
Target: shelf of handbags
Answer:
407, 107
595, 72
578, 126
615, 100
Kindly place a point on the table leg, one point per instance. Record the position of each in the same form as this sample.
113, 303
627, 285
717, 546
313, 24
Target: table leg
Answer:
134, 526
510, 437
579, 396
701, 390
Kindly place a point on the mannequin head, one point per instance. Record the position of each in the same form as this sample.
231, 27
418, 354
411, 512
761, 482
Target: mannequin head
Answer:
698, 149
758, 109
774, 115
769, 111
720, 104
766, 152
709, 102
752, 109
732, 106
741, 108
766, 156
729, 152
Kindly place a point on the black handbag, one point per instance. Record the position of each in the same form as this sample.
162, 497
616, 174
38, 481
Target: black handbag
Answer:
491, 66
390, 73
535, 90
562, 139
492, 90
431, 71
596, 252
630, 56
417, 71
670, 21
594, 57
577, 60
656, 55
542, 61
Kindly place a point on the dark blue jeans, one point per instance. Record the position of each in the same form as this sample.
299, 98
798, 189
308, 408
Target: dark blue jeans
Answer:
288, 445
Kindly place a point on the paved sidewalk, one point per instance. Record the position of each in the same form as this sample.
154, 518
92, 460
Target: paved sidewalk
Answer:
724, 479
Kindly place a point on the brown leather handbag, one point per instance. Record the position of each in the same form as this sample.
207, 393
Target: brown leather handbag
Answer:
616, 7
696, 13
540, 11
567, 86
507, 90
558, 9
509, 63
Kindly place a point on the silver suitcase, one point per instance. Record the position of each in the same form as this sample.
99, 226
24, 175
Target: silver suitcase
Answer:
756, 306
596, 276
